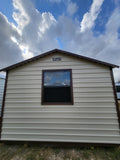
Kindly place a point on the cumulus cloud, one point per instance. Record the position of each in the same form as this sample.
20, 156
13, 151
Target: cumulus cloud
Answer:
90, 17
37, 32
71, 8
21, 17
9, 51
39, 29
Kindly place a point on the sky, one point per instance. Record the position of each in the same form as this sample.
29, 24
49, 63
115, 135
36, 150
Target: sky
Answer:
87, 27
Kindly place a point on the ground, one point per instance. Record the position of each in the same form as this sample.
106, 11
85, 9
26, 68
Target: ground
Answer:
46, 152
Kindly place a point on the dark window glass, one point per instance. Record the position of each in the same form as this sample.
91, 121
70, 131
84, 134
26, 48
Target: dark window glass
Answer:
57, 86
118, 88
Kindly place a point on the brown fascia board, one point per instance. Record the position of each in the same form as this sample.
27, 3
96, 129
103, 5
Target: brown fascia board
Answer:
60, 51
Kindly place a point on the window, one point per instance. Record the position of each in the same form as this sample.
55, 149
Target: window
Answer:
118, 91
118, 88
57, 87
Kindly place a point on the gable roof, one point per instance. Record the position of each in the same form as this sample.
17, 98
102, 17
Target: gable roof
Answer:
59, 51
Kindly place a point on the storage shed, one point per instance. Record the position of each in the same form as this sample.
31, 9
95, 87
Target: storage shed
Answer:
59, 96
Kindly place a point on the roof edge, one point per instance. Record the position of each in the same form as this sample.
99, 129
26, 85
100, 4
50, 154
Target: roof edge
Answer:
61, 51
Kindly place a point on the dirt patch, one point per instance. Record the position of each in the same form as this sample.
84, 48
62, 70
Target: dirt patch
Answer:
26, 152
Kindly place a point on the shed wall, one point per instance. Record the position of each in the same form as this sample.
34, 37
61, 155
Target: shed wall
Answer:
92, 118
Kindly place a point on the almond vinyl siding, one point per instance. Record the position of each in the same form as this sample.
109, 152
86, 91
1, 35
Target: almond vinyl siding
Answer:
91, 119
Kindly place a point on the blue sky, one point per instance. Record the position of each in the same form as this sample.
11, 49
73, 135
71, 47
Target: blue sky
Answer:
87, 27
58, 9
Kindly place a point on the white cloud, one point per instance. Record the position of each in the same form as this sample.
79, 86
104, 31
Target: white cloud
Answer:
21, 17
26, 52
9, 51
71, 8
113, 25
90, 17
40, 33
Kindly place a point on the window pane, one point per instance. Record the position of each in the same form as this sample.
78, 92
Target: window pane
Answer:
118, 88
57, 94
57, 78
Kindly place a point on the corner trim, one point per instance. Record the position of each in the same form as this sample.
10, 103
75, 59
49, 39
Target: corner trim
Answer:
115, 95
3, 103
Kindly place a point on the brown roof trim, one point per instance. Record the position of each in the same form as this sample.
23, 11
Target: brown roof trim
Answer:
60, 51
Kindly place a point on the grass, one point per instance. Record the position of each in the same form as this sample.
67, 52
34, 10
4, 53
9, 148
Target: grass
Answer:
38, 152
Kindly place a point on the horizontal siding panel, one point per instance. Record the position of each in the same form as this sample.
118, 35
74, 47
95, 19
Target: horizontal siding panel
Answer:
24, 82
64, 125
18, 100
89, 80
59, 114
87, 71
87, 99
80, 85
88, 85
85, 104
62, 119
76, 90
43, 130
57, 108
75, 75
90, 89
74, 67
92, 80
103, 75
77, 84
80, 95
38, 77
22, 95
24, 86
76, 95
59, 140
25, 91
34, 102
90, 71
77, 100
94, 103
62, 137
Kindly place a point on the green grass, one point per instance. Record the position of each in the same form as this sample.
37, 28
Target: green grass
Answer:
38, 152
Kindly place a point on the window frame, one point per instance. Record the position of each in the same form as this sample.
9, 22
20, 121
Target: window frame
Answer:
71, 88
